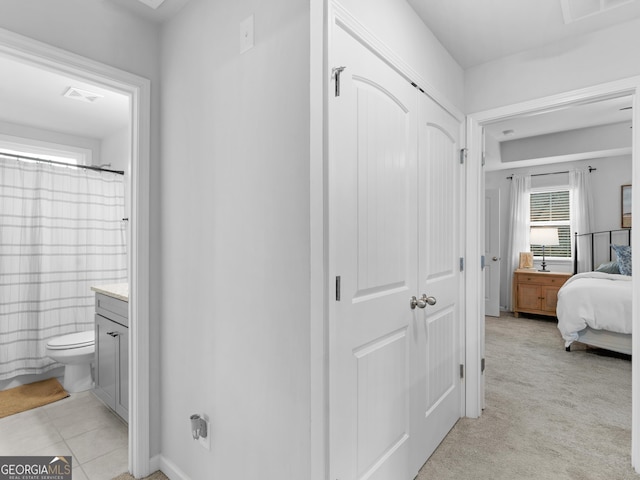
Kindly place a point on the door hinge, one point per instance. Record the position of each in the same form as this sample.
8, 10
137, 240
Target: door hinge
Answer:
482, 262
482, 366
463, 155
461, 370
338, 288
462, 264
335, 74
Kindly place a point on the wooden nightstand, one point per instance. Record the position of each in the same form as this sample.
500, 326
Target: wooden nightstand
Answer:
537, 292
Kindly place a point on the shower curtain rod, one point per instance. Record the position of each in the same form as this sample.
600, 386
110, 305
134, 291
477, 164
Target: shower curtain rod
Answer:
591, 169
53, 162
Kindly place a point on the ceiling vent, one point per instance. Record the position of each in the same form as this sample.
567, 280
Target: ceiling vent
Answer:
573, 10
82, 95
152, 3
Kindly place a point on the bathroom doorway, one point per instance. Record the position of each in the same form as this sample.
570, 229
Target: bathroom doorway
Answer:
50, 60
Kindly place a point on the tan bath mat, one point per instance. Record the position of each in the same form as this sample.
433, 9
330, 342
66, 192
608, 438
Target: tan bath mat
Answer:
32, 395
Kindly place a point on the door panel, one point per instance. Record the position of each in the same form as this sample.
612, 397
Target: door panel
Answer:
383, 374
373, 206
436, 401
528, 296
550, 299
382, 201
441, 365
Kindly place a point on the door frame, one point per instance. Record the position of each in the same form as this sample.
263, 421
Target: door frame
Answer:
48, 57
497, 190
475, 122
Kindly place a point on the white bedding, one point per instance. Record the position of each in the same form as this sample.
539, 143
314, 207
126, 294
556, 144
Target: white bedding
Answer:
598, 300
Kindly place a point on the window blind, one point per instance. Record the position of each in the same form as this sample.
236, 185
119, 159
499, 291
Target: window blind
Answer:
552, 209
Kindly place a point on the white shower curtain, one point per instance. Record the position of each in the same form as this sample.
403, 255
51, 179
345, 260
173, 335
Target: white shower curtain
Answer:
61, 232
581, 214
518, 228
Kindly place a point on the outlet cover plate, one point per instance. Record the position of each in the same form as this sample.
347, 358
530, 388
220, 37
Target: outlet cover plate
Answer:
246, 34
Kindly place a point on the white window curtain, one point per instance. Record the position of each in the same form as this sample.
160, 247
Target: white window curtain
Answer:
581, 214
61, 232
518, 228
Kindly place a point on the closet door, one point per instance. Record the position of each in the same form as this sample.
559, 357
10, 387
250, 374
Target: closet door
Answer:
373, 251
437, 384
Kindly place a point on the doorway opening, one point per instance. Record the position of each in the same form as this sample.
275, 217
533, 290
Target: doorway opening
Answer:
34, 54
477, 122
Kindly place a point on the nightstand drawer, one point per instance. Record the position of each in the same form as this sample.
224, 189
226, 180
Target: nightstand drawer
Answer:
540, 279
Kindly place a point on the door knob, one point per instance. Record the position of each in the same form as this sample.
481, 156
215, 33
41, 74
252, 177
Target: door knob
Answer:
422, 302
495, 259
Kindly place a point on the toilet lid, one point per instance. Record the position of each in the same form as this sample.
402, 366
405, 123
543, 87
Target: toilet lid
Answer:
72, 340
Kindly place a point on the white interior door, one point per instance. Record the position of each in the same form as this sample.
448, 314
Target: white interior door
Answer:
492, 252
394, 188
373, 249
436, 398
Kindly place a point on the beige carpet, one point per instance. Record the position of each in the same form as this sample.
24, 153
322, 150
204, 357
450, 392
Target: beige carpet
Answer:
32, 395
154, 476
549, 414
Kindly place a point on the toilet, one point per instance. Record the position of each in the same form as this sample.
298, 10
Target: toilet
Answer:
76, 352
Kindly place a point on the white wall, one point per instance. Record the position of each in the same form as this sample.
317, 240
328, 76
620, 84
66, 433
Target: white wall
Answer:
116, 150
400, 28
571, 142
235, 203
103, 32
49, 137
611, 173
235, 230
596, 58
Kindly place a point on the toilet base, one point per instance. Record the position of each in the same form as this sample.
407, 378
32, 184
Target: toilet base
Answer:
77, 377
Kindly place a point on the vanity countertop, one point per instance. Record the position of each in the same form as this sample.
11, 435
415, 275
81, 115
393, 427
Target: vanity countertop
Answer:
115, 290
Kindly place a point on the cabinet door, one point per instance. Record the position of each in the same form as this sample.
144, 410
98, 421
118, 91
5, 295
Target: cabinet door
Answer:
528, 297
122, 400
550, 299
105, 363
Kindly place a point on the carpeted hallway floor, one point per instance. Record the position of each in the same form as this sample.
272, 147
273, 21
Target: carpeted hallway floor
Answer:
154, 476
549, 414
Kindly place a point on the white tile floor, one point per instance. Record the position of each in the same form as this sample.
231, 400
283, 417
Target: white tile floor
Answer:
80, 426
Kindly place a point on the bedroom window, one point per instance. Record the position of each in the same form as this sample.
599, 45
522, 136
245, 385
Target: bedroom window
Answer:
552, 208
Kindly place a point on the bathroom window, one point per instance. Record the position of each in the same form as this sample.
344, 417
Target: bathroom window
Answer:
44, 150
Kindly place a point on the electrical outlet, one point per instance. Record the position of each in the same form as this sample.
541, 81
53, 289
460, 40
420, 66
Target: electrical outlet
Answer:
246, 34
205, 442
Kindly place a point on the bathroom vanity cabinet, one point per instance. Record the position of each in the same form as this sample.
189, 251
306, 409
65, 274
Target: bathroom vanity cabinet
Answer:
112, 352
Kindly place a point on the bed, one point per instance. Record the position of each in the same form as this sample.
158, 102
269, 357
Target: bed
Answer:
594, 307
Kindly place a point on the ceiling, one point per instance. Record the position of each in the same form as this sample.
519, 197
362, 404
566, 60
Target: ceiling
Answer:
478, 31
591, 114
473, 31
34, 97
166, 9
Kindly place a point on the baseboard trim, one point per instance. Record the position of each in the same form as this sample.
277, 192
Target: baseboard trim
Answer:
166, 466
154, 463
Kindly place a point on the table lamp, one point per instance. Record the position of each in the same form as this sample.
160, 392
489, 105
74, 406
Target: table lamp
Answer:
545, 236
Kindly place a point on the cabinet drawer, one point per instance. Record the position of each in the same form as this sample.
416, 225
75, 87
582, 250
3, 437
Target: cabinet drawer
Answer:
540, 279
112, 308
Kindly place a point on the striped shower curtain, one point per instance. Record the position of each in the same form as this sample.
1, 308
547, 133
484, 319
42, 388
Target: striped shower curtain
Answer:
61, 232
